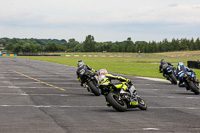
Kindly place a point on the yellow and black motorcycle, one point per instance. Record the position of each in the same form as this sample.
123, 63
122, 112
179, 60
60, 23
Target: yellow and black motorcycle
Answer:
119, 99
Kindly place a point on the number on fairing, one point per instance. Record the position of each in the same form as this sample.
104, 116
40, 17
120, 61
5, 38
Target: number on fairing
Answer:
82, 71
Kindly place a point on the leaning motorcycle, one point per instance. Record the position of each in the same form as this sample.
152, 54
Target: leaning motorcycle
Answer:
90, 81
191, 82
119, 99
170, 74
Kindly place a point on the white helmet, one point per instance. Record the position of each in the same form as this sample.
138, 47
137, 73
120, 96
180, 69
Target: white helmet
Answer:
103, 72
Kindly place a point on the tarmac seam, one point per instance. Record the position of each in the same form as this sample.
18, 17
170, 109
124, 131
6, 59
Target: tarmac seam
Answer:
38, 80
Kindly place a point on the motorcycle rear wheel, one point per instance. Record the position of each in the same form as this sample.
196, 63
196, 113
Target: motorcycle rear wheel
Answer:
119, 105
193, 88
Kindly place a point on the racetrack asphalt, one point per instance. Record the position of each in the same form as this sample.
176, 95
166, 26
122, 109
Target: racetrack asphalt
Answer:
44, 97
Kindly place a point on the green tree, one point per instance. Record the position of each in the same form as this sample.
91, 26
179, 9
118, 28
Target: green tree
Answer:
3, 41
184, 44
62, 48
89, 44
10, 47
129, 45
39, 48
33, 48
113, 48
140, 46
165, 45
197, 43
17, 48
79, 47
175, 44
26, 48
192, 45
53, 47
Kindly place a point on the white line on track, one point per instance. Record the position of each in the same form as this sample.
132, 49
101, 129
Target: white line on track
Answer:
53, 78
154, 79
25, 94
23, 87
172, 97
190, 108
68, 106
151, 129
63, 83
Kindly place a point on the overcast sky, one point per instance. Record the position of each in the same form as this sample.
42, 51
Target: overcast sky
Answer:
106, 20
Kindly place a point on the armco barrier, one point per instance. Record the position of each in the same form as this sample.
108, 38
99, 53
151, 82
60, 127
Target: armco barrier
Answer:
193, 64
8, 54
93, 55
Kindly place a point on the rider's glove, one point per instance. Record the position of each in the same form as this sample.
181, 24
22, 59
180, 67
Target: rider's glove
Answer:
160, 71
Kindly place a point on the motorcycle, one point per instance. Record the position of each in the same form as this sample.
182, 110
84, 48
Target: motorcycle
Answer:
90, 81
191, 82
169, 73
119, 99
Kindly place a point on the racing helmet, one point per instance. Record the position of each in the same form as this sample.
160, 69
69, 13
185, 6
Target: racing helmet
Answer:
163, 61
180, 64
103, 72
80, 63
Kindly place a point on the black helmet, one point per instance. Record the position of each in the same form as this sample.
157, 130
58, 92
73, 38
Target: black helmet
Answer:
163, 61
80, 63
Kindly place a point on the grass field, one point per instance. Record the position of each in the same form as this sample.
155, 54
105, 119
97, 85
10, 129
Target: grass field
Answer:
146, 65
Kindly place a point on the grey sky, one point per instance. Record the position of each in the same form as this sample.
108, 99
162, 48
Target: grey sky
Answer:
106, 20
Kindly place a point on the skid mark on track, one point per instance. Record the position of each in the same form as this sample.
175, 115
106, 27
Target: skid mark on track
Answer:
38, 80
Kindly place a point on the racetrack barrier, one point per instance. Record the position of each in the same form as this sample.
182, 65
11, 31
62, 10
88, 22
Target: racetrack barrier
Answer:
193, 64
8, 54
94, 56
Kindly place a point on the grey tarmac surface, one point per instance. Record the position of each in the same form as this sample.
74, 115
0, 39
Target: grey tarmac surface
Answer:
43, 97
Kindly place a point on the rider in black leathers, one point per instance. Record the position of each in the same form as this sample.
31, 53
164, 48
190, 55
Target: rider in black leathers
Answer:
163, 66
82, 66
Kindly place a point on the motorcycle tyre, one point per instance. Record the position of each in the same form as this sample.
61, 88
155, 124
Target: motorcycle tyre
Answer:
173, 78
115, 104
142, 104
94, 89
193, 88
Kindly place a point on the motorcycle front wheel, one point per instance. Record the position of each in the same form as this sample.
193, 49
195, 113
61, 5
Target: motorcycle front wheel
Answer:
118, 104
173, 79
141, 104
193, 88
94, 89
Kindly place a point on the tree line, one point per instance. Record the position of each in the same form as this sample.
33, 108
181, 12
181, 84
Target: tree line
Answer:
35, 46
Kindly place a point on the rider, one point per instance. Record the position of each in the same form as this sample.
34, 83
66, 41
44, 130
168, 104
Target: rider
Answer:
163, 66
123, 85
82, 67
181, 69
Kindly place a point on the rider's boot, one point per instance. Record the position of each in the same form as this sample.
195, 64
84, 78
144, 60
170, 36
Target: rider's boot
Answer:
187, 88
181, 85
108, 104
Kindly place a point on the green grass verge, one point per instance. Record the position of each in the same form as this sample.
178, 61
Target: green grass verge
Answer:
146, 65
